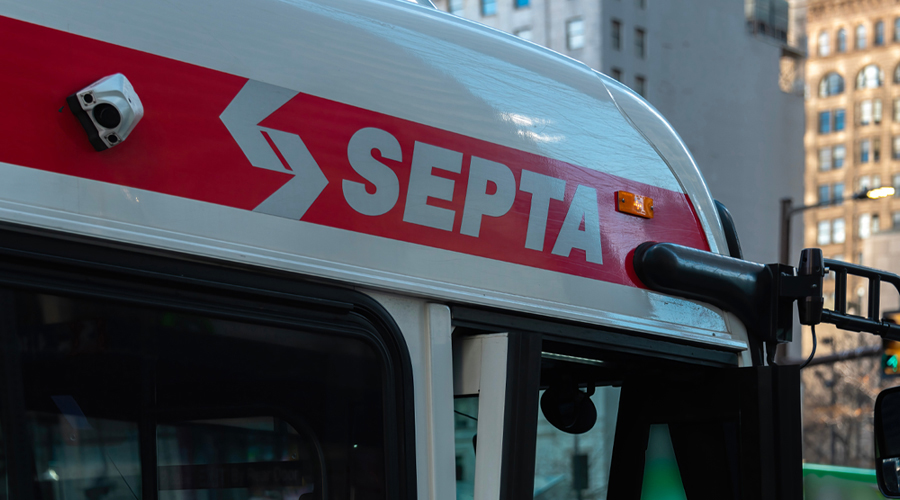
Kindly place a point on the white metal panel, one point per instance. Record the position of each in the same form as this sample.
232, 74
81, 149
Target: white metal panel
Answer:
82, 206
393, 57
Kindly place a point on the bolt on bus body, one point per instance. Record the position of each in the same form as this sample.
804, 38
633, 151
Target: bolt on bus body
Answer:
364, 249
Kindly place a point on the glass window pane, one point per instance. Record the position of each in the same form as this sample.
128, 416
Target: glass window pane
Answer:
842, 40
575, 34
839, 231
865, 112
865, 226
824, 122
838, 193
616, 33
252, 457
860, 37
840, 152
865, 148
455, 7
879, 33
838, 120
824, 194
824, 45
465, 428
557, 452
258, 410
823, 235
825, 159
488, 7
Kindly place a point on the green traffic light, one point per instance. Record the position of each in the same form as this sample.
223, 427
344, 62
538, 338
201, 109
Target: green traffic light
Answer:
892, 363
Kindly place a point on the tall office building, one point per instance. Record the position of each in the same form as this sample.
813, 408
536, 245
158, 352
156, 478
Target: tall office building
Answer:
852, 144
712, 68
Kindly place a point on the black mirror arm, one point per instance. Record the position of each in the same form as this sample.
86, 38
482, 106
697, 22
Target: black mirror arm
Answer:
761, 296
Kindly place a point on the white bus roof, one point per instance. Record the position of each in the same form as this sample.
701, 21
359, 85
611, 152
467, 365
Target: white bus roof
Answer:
380, 144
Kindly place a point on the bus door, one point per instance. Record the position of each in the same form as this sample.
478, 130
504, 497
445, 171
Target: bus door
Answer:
598, 413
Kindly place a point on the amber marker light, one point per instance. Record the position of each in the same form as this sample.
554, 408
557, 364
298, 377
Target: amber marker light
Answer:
634, 204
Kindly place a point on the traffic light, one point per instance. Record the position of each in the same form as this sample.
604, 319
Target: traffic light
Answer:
890, 358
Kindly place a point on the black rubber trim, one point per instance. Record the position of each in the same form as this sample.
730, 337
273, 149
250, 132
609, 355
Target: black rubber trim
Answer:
520, 418
594, 336
731, 234
78, 265
86, 123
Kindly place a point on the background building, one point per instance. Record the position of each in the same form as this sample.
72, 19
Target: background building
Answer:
712, 68
852, 144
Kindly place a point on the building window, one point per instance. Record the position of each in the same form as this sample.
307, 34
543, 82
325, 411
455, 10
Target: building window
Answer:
824, 194
524, 34
825, 159
842, 40
865, 150
640, 48
488, 7
897, 74
895, 149
865, 112
870, 77
824, 122
897, 29
616, 35
895, 219
824, 44
879, 33
831, 84
640, 85
616, 73
876, 181
839, 153
838, 120
455, 7
864, 183
838, 193
575, 33
838, 231
823, 236
897, 110
521, 3
876, 150
870, 111
865, 226
860, 37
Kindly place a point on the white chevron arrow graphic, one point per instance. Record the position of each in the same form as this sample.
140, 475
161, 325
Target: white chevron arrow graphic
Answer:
253, 104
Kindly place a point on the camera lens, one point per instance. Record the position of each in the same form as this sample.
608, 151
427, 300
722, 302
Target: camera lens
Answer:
112, 138
107, 115
88, 98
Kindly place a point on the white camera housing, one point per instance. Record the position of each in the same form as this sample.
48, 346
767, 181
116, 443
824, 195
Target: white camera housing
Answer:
108, 109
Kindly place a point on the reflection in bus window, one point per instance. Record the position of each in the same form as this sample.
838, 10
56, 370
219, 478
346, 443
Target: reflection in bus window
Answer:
235, 410
576, 466
466, 425
77, 458
259, 457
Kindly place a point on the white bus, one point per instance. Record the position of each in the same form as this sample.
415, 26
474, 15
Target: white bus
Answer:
359, 249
